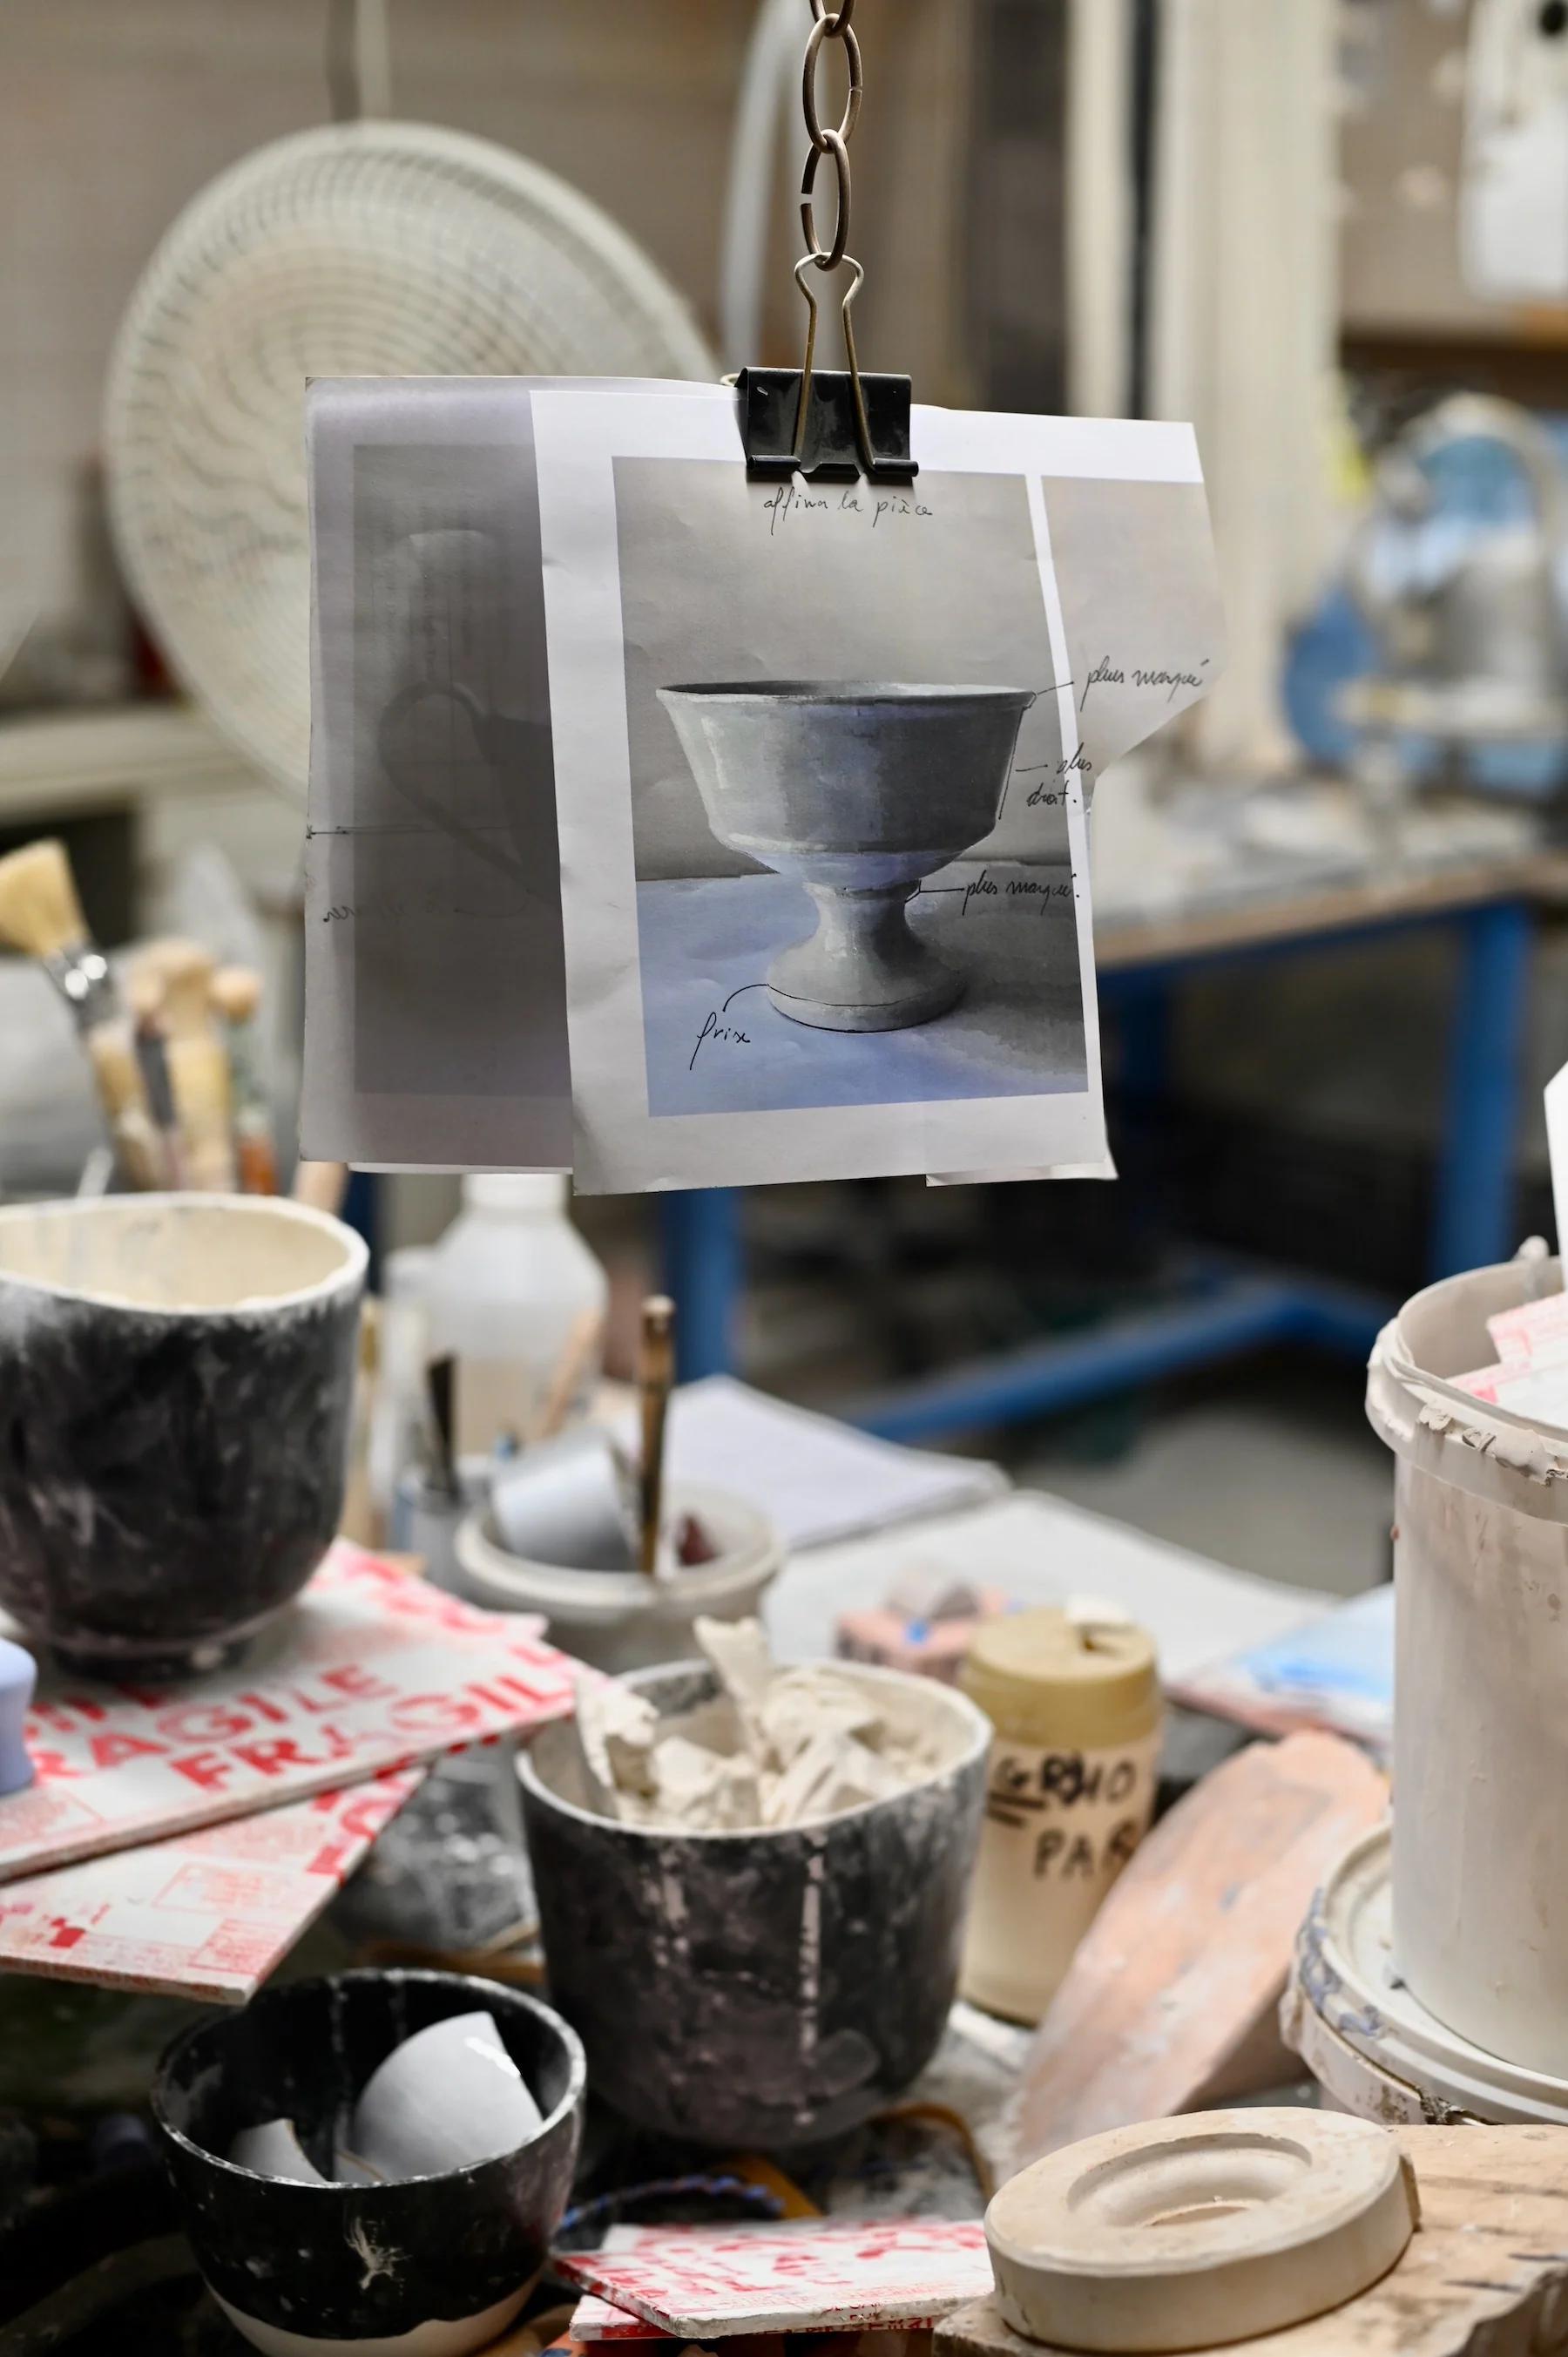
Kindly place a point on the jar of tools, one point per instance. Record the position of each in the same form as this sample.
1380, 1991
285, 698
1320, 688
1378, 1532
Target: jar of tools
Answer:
1070, 1789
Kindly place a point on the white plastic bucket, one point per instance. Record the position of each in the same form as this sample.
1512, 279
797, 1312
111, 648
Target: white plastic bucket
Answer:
621, 1620
1480, 1844
1368, 2041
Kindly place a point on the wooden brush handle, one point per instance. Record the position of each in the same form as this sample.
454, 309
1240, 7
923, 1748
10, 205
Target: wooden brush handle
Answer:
322, 1185
139, 1149
577, 1354
655, 1375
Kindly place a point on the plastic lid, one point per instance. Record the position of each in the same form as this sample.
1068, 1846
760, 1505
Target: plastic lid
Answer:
1044, 1677
1352, 2004
515, 1191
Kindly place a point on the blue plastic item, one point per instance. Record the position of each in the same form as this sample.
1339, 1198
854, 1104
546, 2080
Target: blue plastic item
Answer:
18, 1675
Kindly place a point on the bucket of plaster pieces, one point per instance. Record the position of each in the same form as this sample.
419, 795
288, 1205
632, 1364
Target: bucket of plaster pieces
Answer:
1480, 1844
623, 1619
1368, 2040
763, 1988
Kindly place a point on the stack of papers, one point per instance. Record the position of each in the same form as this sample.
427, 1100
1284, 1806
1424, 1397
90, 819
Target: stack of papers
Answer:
1336, 1672
816, 1479
1040, 1550
1531, 1373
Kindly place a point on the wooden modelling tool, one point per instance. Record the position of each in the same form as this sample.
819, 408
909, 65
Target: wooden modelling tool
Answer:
577, 1353
40, 914
236, 995
321, 1185
655, 1377
199, 1067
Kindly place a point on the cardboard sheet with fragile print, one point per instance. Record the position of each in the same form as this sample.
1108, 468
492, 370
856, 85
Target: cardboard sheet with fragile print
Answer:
702, 2282
370, 1668
206, 1914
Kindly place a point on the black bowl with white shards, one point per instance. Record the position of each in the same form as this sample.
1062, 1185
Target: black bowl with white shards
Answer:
447, 2260
765, 1989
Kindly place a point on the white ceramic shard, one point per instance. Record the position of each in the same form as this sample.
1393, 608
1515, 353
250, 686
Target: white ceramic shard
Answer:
856, 791
447, 2097
274, 2150
1191, 2232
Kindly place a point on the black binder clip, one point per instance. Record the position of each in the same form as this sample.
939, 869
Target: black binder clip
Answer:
835, 423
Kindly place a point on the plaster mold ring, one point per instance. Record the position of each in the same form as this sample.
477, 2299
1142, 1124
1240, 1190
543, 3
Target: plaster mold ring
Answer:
1191, 2232
858, 791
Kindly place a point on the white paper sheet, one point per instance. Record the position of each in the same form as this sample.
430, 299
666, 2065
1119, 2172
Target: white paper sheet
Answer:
1556, 1096
817, 1480
436, 1026
1041, 1551
435, 1007
664, 566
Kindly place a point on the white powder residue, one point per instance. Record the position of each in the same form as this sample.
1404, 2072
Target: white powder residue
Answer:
777, 1747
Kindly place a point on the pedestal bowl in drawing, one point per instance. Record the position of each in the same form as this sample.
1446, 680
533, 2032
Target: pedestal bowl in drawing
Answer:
858, 791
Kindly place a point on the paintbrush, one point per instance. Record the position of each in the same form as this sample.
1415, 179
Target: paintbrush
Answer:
236, 994
577, 1353
40, 914
144, 991
655, 1374
197, 1063
441, 1383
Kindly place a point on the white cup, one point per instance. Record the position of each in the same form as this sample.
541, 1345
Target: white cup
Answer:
444, 2099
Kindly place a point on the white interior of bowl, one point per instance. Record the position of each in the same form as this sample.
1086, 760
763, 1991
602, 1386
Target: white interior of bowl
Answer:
944, 1721
748, 1545
179, 1252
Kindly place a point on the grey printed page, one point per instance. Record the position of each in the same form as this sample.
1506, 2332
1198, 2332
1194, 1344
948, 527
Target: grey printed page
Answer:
435, 1010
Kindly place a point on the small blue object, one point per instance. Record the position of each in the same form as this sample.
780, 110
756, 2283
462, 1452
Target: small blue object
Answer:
18, 1675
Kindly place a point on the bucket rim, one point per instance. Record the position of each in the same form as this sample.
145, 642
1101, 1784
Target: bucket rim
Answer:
1379, 2016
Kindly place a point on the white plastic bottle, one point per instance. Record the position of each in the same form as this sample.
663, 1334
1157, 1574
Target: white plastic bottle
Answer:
510, 1288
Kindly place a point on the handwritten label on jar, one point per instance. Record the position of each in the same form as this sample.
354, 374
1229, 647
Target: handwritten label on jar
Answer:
1059, 1827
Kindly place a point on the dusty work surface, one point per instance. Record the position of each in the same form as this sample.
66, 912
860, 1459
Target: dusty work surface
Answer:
1485, 2274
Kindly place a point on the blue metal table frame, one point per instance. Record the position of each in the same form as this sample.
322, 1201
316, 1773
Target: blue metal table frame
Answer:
1226, 1310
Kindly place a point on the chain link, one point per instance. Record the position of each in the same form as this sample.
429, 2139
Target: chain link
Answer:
826, 257
826, 29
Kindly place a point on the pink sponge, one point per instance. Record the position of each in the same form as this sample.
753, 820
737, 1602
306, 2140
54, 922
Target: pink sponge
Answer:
933, 1642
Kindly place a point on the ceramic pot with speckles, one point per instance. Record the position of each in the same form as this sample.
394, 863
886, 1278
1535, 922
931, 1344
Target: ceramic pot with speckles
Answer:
438, 2264
176, 1376
767, 1988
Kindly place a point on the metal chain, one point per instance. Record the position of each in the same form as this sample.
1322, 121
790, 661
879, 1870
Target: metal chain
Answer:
825, 141
830, 25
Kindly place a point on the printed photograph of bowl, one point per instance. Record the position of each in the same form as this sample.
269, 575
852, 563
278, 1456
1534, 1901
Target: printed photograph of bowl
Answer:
856, 791
437, 2264
175, 1378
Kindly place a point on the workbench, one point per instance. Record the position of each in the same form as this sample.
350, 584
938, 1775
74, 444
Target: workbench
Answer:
1489, 908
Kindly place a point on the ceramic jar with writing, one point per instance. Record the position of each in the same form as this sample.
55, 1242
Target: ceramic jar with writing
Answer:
1070, 1792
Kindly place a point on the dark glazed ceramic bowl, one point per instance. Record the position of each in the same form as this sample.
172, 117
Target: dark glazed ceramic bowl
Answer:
450, 2257
763, 1988
176, 1376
